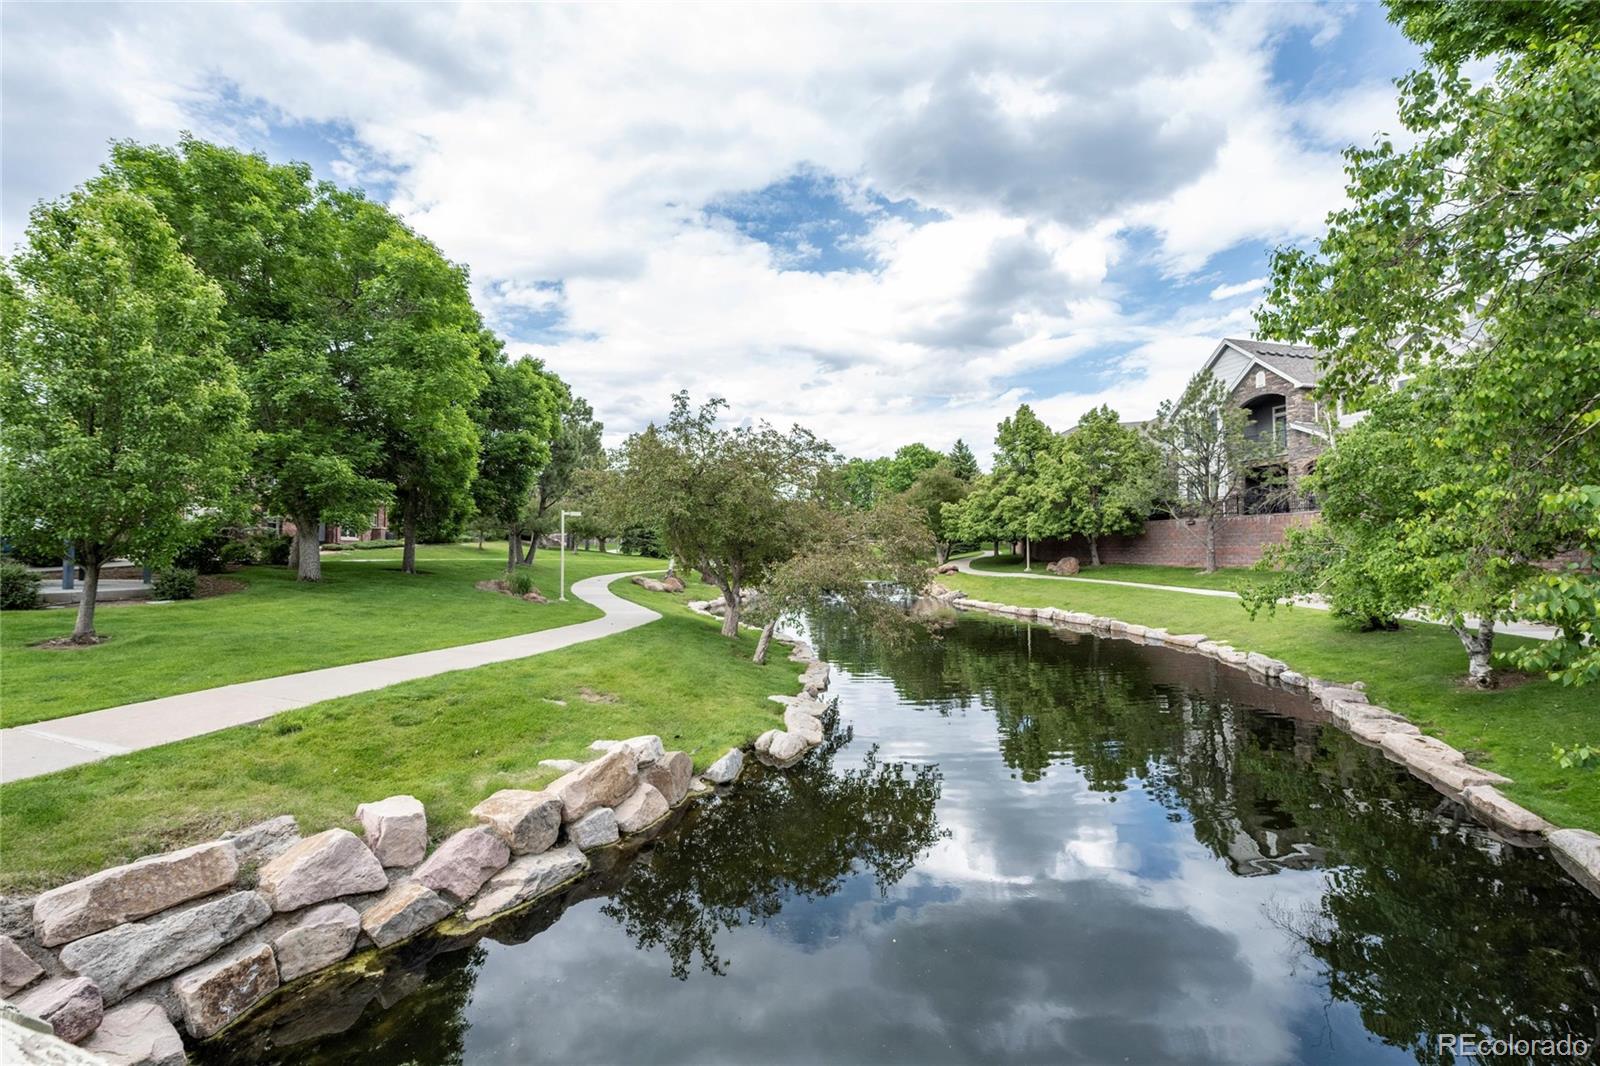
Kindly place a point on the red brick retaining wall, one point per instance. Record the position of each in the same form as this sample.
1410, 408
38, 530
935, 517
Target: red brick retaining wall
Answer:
1173, 542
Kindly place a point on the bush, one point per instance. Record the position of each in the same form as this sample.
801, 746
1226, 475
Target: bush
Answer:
239, 553
19, 587
203, 555
373, 545
520, 581
177, 583
273, 548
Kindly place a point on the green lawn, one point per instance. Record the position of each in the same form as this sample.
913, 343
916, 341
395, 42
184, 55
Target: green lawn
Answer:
1232, 579
364, 608
1415, 672
449, 740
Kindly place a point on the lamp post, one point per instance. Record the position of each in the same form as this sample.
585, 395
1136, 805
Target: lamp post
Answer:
562, 584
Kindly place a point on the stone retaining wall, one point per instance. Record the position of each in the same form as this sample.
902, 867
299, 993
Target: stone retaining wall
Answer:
196, 939
1428, 758
1174, 542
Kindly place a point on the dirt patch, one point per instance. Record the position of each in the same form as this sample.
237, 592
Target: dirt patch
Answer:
589, 695
209, 585
1504, 681
68, 644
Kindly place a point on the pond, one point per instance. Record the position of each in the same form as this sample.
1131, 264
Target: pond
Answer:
1017, 845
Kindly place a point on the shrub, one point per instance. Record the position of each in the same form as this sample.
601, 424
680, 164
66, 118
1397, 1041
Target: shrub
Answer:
520, 582
203, 555
239, 553
373, 545
19, 587
177, 583
273, 548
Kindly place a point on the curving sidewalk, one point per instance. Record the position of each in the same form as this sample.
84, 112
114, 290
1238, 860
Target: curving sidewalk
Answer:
30, 750
1515, 629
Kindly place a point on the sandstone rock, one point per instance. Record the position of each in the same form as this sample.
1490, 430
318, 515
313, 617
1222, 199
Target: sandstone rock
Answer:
1263, 664
565, 766
1498, 812
137, 1033
321, 867
650, 584
528, 878
125, 893
1208, 647
815, 677
947, 568
528, 822
17, 968
781, 746
699, 786
642, 808
1578, 852
1347, 693
463, 863
1065, 566
645, 749
396, 829
1293, 679
27, 1041
404, 911
1420, 748
72, 1006
1372, 728
320, 937
808, 726
726, 769
602, 783
1231, 656
266, 840
1453, 778
215, 993
670, 775
803, 653
594, 830
126, 958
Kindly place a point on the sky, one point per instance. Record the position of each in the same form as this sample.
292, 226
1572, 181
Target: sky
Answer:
887, 223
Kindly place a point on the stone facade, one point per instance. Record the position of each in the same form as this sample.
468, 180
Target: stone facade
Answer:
1173, 542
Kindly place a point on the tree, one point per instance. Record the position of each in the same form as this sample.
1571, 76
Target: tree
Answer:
909, 460
727, 501
1471, 259
516, 414
931, 495
1022, 442
963, 464
120, 414
577, 445
861, 481
291, 257
1203, 451
1098, 481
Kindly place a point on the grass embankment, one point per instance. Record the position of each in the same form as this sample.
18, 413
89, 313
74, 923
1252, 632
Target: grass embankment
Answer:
1231, 579
364, 608
1416, 672
449, 740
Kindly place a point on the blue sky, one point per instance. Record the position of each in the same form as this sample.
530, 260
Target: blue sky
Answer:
889, 224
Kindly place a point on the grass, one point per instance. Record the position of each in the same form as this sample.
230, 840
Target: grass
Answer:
364, 608
1229, 578
1416, 672
449, 740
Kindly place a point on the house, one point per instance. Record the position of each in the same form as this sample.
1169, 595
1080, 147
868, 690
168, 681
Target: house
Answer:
377, 529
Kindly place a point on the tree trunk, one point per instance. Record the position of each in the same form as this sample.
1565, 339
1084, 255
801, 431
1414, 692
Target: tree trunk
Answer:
1027, 554
1211, 543
310, 557
941, 551
533, 546
1480, 651
408, 554
997, 549
760, 658
602, 545
1094, 550
294, 552
513, 548
730, 614
83, 628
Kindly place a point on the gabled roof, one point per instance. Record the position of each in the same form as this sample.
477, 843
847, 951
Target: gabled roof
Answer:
1298, 364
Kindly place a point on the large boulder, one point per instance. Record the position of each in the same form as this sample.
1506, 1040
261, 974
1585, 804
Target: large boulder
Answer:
673, 583
215, 993
127, 958
642, 808
726, 769
528, 822
646, 749
396, 829
650, 584
126, 893
71, 1005
781, 746
463, 863
1493, 809
815, 677
799, 720
319, 868
138, 1033
319, 937
594, 830
527, 878
17, 968
1578, 852
266, 840
670, 775
1065, 566
404, 911
1263, 664
602, 783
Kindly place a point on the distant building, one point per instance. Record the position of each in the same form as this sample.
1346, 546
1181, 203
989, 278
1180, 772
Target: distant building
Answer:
377, 529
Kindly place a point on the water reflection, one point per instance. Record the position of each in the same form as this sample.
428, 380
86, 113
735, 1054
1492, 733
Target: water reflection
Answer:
1016, 845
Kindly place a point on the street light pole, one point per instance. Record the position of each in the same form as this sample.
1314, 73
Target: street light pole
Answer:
562, 584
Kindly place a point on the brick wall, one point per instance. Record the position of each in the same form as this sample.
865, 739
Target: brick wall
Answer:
1173, 542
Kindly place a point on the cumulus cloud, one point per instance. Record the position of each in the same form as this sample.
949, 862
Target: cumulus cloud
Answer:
574, 159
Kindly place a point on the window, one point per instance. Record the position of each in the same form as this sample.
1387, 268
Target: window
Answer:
1261, 379
1280, 426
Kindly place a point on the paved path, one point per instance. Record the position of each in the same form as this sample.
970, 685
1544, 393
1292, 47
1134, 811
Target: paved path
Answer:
30, 750
1515, 629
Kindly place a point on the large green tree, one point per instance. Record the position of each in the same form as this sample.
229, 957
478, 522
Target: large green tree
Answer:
517, 414
1022, 443
1098, 481
931, 496
1470, 259
963, 464
120, 413
577, 446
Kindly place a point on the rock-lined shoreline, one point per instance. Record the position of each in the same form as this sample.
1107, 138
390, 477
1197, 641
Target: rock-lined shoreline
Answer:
1427, 758
199, 938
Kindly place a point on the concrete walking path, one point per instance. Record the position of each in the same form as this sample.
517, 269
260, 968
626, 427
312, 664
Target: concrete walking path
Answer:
41, 748
1515, 629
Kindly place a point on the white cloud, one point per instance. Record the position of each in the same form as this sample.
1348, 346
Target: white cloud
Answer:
1228, 292
581, 145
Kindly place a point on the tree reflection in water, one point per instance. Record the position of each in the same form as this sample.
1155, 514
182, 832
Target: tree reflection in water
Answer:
798, 832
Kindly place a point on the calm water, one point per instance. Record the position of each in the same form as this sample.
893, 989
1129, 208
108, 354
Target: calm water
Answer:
1017, 846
